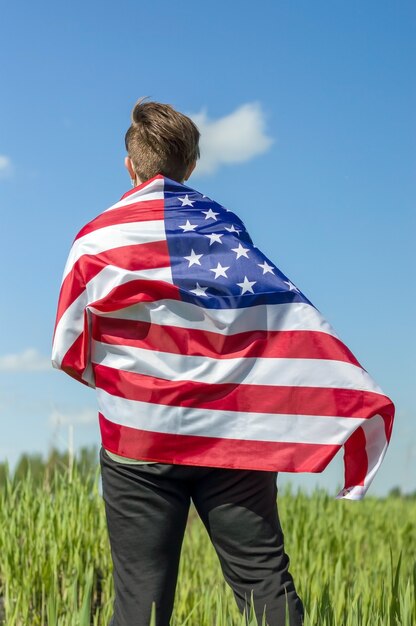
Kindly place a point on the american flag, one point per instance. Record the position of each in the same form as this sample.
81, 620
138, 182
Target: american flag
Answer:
202, 352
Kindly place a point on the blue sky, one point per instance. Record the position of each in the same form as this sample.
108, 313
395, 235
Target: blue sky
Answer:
308, 128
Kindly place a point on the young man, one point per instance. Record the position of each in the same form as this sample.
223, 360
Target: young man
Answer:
200, 351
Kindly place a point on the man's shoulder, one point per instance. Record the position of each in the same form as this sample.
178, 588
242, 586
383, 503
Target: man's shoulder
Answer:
140, 196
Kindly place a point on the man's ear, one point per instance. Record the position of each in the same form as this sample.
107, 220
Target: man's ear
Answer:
190, 170
129, 165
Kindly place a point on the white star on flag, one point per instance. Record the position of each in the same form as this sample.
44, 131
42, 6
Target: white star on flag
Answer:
214, 237
188, 226
247, 285
199, 291
186, 201
266, 267
220, 270
240, 251
210, 214
232, 229
193, 258
291, 285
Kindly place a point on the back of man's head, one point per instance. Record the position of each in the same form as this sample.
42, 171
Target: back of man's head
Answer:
161, 140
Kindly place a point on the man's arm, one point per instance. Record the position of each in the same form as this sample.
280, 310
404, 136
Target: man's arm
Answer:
72, 333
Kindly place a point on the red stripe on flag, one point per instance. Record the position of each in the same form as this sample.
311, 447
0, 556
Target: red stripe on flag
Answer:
355, 459
388, 417
75, 359
145, 256
240, 397
300, 344
214, 452
148, 210
136, 291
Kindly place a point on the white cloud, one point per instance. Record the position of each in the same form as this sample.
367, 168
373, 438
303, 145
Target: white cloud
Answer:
6, 167
29, 360
234, 138
82, 416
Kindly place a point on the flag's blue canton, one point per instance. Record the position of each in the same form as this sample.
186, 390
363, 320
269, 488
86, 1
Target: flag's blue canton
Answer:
214, 261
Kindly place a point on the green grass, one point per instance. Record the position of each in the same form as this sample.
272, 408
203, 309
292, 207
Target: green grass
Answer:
354, 564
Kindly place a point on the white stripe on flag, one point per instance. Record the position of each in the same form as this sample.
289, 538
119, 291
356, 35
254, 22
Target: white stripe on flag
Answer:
293, 316
248, 371
226, 424
376, 445
115, 236
152, 191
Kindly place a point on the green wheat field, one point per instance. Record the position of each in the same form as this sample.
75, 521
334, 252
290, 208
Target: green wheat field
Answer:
354, 563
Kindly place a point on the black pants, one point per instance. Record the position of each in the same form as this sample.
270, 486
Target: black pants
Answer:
147, 508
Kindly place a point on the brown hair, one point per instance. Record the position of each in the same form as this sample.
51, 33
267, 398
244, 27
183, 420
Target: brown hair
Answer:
161, 140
